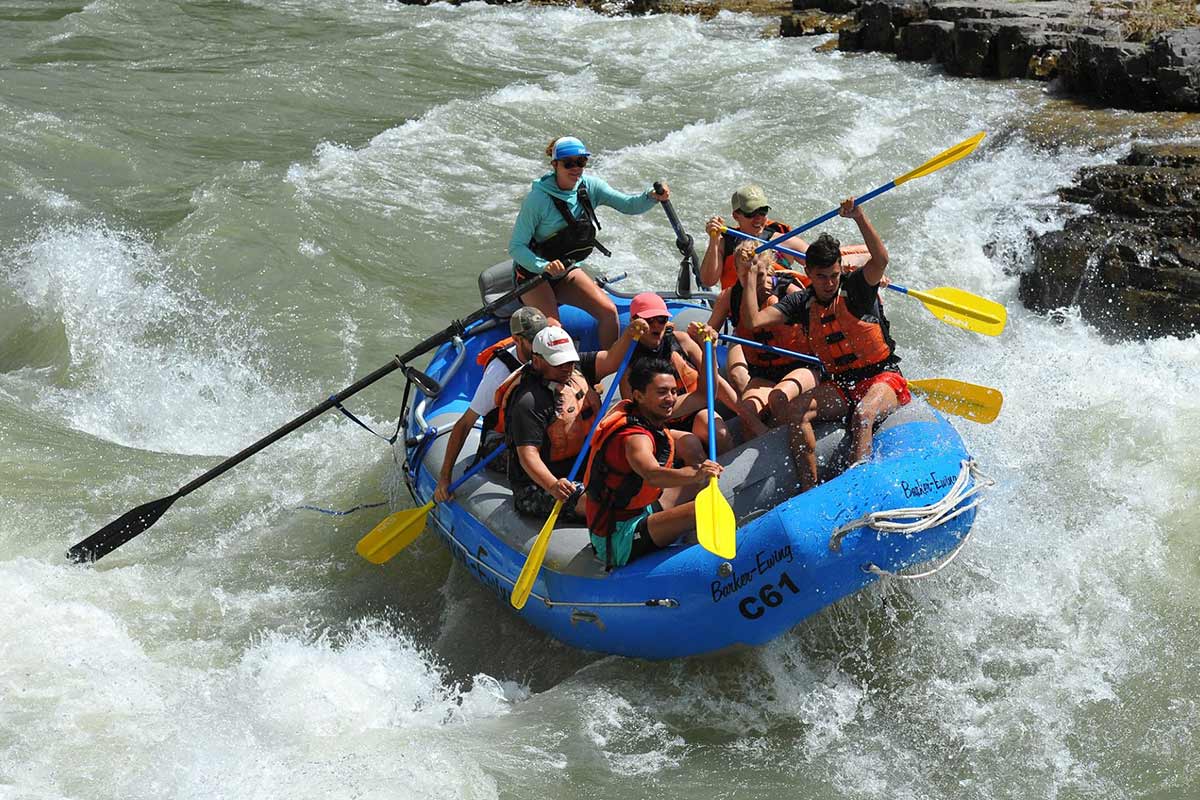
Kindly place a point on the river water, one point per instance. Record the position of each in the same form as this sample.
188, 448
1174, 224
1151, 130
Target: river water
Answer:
215, 214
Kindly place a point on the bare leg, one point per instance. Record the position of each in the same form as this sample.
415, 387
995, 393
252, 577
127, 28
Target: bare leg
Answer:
542, 298
700, 430
578, 289
791, 386
823, 402
751, 407
879, 401
667, 526
690, 450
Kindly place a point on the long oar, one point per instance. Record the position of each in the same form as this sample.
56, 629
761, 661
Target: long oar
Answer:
683, 241
945, 158
716, 528
537, 554
968, 400
977, 403
133, 522
779, 351
952, 306
399, 530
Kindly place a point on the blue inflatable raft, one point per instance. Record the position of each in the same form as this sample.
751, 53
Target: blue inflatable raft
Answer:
911, 504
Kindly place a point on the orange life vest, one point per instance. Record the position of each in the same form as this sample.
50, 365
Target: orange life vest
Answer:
729, 242
493, 351
614, 491
844, 342
787, 336
575, 403
670, 350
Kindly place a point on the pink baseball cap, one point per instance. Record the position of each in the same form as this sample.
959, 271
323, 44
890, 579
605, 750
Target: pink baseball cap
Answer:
647, 305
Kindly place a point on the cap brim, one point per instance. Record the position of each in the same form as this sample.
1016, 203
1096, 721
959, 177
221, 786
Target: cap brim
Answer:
558, 359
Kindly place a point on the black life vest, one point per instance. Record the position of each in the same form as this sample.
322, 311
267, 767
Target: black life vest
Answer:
576, 241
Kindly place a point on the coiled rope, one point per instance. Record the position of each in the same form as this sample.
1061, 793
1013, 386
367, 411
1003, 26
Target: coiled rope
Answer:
971, 483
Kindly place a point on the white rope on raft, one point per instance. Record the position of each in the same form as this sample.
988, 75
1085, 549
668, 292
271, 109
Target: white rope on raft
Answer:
907, 521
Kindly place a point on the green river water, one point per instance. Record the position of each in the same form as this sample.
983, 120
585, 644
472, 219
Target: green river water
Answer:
215, 214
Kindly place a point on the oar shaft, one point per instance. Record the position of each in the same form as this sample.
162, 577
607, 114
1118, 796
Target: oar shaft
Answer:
474, 470
709, 380
779, 351
734, 232
684, 243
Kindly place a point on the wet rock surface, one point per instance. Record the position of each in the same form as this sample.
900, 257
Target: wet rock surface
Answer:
1087, 45
1132, 261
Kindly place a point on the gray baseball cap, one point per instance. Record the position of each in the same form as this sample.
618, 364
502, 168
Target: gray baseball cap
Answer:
526, 321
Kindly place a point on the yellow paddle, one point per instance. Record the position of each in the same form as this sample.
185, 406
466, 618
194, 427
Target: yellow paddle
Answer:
537, 554
716, 528
953, 306
945, 158
977, 403
398, 530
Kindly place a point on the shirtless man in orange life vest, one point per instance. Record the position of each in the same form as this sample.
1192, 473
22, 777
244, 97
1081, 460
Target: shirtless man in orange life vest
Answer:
637, 499
844, 325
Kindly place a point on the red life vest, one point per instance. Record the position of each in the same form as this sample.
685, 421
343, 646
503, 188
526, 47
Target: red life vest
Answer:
729, 242
845, 343
575, 403
787, 336
614, 491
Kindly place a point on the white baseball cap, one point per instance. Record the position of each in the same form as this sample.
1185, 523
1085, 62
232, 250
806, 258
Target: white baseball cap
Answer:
554, 344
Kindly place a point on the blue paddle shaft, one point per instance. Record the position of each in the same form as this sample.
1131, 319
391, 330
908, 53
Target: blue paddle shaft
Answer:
897, 287
816, 362
752, 238
616, 384
858, 201
708, 393
473, 471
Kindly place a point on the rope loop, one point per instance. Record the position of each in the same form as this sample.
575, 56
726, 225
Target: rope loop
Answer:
971, 483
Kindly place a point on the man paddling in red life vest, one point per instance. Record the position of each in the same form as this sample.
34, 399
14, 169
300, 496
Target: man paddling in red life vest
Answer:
635, 494
499, 362
844, 326
682, 352
750, 215
765, 382
547, 410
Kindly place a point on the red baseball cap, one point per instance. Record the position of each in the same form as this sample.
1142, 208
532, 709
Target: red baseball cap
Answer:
647, 305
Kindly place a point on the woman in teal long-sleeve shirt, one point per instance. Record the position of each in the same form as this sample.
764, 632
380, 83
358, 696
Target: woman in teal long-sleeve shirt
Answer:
543, 238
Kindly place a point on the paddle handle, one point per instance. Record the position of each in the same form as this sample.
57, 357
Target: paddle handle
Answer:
779, 351
709, 380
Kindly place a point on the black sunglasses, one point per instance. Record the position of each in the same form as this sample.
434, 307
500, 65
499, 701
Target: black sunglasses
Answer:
758, 212
572, 163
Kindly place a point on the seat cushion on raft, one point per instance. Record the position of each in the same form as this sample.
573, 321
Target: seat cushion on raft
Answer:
758, 476
494, 283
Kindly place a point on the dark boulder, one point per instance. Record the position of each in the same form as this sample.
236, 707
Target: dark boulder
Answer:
1132, 264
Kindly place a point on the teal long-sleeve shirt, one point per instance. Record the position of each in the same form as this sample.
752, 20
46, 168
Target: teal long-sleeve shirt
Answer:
538, 219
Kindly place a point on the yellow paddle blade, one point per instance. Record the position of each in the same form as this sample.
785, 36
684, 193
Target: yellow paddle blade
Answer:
396, 532
533, 563
716, 529
977, 403
963, 309
960, 150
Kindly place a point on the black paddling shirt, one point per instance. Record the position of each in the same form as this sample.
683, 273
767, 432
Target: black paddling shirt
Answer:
530, 412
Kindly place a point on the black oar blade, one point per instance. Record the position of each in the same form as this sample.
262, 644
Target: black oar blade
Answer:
120, 530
